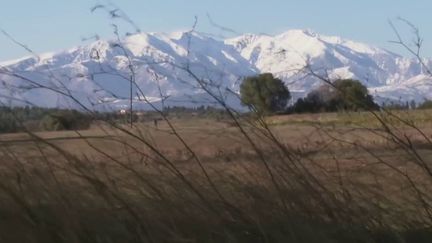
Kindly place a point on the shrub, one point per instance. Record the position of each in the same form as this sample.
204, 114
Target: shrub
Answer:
65, 120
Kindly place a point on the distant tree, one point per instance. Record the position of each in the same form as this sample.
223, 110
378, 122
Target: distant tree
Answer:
343, 94
265, 93
65, 120
351, 94
8, 123
394, 106
413, 104
51, 123
427, 104
312, 103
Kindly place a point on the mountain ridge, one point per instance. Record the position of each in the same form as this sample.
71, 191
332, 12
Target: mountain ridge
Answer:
95, 73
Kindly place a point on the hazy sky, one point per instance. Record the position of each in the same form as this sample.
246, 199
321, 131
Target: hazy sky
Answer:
52, 25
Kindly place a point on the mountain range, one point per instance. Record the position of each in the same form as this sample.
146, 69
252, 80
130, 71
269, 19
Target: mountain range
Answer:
180, 68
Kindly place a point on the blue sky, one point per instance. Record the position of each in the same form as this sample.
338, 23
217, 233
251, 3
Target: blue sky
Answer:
52, 25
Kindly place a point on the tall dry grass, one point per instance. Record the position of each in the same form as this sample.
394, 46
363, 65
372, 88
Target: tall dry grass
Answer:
335, 187
332, 185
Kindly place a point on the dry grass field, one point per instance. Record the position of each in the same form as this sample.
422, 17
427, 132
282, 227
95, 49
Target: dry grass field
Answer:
337, 177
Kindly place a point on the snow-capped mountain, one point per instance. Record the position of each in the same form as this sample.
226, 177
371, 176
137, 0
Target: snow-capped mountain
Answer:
181, 68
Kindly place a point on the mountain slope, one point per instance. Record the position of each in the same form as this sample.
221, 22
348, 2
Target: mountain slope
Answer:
98, 75
284, 54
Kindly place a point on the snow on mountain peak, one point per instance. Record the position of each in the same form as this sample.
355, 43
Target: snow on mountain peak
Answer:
97, 70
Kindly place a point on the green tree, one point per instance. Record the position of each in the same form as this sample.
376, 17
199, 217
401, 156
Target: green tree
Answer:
350, 94
265, 93
343, 94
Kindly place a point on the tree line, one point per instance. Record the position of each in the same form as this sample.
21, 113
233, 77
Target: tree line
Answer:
20, 119
266, 94
263, 93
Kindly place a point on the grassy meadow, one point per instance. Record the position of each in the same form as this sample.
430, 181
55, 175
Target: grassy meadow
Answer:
333, 177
